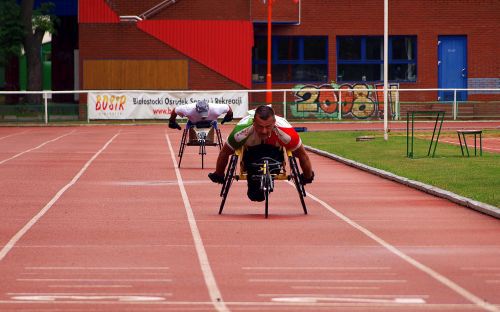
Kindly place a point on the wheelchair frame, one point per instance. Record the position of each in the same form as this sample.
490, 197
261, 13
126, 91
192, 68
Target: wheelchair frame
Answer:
201, 142
266, 178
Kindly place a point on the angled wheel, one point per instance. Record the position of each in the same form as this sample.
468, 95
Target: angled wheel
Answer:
296, 180
228, 180
266, 195
182, 146
219, 138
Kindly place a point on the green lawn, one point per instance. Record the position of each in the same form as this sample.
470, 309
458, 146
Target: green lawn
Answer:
477, 178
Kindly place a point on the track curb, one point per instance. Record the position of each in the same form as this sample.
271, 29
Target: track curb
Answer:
463, 201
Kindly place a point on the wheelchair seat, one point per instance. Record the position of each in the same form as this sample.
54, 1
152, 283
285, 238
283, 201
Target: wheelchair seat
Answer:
200, 134
266, 169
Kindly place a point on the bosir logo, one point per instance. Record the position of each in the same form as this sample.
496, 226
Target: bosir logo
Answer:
110, 103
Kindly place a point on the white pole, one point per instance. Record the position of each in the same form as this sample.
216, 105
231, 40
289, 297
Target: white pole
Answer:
88, 118
386, 66
45, 100
284, 104
340, 104
455, 104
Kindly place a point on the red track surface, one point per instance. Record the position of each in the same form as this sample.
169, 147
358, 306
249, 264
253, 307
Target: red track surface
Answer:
98, 219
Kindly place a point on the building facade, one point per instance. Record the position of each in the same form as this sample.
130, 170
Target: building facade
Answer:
222, 45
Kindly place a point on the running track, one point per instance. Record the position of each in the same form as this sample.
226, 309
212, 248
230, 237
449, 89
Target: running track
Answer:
98, 218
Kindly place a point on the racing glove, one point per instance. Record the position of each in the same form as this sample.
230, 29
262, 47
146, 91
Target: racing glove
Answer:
214, 177
172, 124
228, 117
305, 180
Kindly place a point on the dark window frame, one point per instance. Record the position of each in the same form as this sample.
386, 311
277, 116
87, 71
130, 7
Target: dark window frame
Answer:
364, 61
299, 61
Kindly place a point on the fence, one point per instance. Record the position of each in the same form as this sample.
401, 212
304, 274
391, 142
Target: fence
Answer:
303, 102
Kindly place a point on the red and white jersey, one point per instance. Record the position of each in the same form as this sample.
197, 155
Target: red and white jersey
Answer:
283, 134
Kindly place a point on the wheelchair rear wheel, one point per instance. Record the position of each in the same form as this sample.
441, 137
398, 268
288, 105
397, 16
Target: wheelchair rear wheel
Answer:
296, 180
228, 180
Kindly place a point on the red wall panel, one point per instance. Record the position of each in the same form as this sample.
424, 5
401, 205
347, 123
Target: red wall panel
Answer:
96, 11
224, 46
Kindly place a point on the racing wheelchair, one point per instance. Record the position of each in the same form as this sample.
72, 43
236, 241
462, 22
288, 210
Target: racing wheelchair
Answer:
200, 134
266, 171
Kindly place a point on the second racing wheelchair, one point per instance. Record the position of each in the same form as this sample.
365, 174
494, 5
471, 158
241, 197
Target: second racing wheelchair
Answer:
200, 134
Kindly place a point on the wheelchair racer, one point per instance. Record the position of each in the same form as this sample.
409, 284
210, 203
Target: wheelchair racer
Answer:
262, 133
201, 115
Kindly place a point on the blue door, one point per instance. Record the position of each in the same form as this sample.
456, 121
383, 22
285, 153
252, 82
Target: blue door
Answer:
452, 66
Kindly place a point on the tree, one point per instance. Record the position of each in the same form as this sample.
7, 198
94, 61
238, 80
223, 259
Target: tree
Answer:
35, 23
23, 24
11, 30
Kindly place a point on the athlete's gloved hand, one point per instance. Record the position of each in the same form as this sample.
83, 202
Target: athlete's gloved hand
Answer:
305, 180
214, 177
228, 117
174, 125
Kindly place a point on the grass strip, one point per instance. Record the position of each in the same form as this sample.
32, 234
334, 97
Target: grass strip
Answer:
477, 178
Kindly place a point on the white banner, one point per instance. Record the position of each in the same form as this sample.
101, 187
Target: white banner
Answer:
159, 105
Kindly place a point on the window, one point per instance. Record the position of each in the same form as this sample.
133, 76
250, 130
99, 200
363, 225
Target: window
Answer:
294, 59
361, 58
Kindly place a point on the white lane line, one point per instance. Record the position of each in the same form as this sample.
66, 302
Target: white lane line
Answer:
86, 294
285, 280
148, 280
345, 299
119, 298
112, 273
208, 275
345, 295
34, 148
378, 274
13, 134
480, 269
318, 268
440, 278
335, 287
90, 286
458, 144
97, 268
12, 242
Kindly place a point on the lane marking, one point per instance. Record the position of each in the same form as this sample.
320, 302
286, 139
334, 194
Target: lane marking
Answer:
86, 294
208, 275
484, 148
345, 296
90, 286
12, 242
253, 304
149, 280
317, 268
155, 183
13, 134
335, 287
378, 274
346, 299
35, 148
481, 269
279, 280
434, 274
93, 298
97, 268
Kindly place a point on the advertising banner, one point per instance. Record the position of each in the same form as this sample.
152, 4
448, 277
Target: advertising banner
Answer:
159, 105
